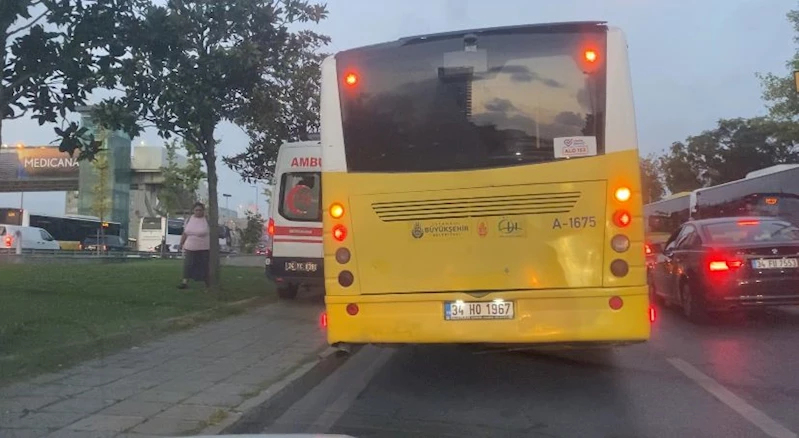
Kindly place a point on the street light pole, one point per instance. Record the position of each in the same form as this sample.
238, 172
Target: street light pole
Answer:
227, 199
256, 198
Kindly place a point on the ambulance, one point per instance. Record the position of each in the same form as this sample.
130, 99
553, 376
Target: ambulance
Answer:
294, 252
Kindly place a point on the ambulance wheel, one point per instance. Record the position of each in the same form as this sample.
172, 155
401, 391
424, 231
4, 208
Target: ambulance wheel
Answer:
288, 291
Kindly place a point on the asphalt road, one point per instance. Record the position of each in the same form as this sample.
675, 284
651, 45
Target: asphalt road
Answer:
738, 377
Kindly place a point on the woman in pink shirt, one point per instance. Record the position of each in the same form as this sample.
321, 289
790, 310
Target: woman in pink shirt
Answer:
196, 244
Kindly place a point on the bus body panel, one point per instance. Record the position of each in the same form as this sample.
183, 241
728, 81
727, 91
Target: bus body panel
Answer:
296, 253
492, 249
554, 316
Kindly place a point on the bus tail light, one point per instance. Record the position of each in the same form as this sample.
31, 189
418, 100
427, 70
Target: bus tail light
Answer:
615, 302
270, 227
652, 314
345, 278
323, 320
343, 255
622, 218
352, 309
619, 268
620, 243
339, 232
336, 210
623, 194
351, 79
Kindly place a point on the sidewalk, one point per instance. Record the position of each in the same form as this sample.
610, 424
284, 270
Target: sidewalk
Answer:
182, 384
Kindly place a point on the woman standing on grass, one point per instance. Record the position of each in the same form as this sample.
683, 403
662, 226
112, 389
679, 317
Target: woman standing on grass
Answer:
196, 244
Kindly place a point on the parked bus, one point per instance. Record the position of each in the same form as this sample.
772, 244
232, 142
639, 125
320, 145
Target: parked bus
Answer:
773, 191
69, 231
153, 229
483, 186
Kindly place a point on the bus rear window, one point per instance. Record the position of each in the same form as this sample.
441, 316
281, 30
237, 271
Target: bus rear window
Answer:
300, 197
151, 223
438, 105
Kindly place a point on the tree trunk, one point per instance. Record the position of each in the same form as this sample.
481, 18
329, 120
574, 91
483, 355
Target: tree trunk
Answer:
213, 209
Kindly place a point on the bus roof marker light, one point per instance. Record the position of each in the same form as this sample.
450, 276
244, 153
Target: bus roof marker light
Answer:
623, 194
351, 79
591, 55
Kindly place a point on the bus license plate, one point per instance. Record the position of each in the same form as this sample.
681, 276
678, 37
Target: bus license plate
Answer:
775, 263
478, 310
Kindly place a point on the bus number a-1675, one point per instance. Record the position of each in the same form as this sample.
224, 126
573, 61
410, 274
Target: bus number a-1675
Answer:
575, 222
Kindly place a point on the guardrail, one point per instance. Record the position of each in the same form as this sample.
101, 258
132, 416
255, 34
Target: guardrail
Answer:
10, 255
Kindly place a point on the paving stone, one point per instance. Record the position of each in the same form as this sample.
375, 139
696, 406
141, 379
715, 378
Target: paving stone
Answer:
136, 408
83, 405
111, 423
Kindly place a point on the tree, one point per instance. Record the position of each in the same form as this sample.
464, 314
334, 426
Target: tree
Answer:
779, 91
728, 152
181, 181
286, 108
195, 63
651, 179
252, 234
53, 50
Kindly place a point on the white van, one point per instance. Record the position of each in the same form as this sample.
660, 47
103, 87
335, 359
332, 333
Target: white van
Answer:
294, 252
30, 237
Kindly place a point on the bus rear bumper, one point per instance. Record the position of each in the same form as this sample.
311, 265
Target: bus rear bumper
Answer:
585, 316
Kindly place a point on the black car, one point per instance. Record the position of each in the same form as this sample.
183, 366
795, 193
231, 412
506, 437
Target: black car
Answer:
106, 243
726, 263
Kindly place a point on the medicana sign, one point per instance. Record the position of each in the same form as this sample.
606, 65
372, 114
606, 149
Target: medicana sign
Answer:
37, 163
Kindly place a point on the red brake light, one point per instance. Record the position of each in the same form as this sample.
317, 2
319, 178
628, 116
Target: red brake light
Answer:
647, 249
323, 320
339, 232
746, 223
721, 265
351, 79
622, 218
270, 227
9, 241
652, 314
591, 55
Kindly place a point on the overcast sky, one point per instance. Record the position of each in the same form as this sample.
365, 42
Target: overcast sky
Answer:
693, 61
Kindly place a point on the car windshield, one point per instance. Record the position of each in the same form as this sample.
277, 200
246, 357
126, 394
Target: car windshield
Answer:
751, 231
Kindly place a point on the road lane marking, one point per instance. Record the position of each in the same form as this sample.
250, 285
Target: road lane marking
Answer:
342, 404
755, 416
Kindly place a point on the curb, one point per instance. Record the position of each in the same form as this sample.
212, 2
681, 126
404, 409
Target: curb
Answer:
236, 414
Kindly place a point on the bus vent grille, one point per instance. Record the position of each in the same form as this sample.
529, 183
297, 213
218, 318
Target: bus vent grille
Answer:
476, 206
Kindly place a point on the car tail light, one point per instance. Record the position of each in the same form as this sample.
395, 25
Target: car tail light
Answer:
623, 194
652, 314
323, 320
723, 264
622, 218
339, 232
336, 210
9, 241
647, 249
270, 227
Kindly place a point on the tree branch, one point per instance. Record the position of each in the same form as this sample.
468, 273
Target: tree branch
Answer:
27, 26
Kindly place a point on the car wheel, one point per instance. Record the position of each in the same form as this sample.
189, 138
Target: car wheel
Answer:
693, 305
288, 291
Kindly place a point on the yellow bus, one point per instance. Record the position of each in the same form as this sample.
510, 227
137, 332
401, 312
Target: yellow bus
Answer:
483, 186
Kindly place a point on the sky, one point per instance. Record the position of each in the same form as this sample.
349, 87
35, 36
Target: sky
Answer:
692, 61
